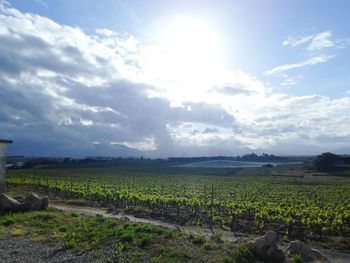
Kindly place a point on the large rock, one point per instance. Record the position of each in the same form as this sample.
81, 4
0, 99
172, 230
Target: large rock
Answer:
34, 202
265, 248
8, 204
22, 204
275, 254
44, 202
305, 252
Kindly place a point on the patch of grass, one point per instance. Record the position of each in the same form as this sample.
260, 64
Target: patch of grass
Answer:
74, 214
7, 222
17, 232
160, 259
244, 254
135, 242
71, 240
218, 238
297, 258
228, 259
63, 229
121, 247
145, 239
207, 246
127, 236
197, 239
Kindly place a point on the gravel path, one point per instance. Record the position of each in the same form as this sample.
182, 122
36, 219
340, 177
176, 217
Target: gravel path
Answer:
22, 249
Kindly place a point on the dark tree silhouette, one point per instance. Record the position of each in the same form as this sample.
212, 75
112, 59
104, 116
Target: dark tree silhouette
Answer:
325, 162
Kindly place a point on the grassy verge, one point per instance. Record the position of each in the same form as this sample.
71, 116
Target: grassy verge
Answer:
134, 242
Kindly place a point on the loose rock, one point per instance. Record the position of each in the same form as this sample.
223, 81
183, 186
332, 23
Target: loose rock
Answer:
306, 253
9, 204
23, 204
34, 202
265, 248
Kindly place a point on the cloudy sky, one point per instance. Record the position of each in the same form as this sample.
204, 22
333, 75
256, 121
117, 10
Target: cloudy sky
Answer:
174, 78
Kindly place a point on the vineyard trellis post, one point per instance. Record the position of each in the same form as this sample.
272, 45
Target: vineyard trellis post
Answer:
47, 185
71, 186
211, 206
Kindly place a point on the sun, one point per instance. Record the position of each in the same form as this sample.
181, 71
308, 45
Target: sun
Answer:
188, 53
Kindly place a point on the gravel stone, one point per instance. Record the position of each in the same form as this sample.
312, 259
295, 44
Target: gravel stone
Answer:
23, 249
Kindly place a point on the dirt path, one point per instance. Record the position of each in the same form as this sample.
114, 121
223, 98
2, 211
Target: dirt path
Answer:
93, 211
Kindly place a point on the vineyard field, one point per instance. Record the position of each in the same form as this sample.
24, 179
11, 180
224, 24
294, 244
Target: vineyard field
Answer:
292, 200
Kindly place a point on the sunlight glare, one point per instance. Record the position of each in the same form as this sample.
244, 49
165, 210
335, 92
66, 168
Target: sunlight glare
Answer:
188, 53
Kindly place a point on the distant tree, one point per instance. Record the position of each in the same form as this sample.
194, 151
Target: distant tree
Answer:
66, 160
325, 162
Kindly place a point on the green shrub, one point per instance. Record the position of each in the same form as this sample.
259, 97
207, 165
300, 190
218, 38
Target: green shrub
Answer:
7, 222
145, 239
71, 240
244, 254
121, 247
63, 229
127, 236
228, 259
218, 238
207, 246
74, 214
198, 240
297, 258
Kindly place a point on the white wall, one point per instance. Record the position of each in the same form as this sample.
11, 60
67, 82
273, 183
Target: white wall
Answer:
2, 167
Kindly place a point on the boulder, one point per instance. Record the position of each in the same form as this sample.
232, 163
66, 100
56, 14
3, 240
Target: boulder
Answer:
275, 254
9, 204
34, 202
268, 240
265, 248
44, 202
305, 252
22, 204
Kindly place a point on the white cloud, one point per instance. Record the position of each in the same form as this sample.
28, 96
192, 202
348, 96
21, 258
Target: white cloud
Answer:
288, 82
86, 122
296, 41
42, 3
147, 144
311, 61
316, 42
321, 41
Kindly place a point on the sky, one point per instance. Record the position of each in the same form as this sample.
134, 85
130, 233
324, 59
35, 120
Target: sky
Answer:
174, 78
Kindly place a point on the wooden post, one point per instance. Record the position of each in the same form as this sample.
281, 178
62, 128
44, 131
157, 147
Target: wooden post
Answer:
47, 185
211, 207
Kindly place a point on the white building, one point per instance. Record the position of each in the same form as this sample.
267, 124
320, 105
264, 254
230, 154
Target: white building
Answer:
3, 144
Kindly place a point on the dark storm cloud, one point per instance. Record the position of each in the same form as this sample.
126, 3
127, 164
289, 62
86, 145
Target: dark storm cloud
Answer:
140, 116
62, 111
21, 52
